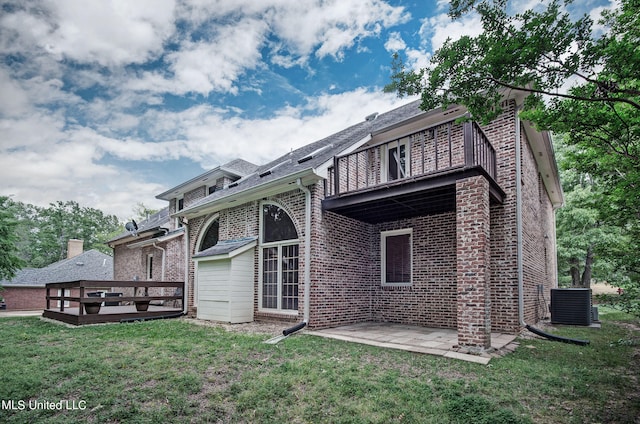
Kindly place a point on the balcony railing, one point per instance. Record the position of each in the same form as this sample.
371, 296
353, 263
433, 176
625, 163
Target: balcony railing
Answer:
430, 152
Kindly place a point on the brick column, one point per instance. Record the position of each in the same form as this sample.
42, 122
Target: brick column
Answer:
473, 255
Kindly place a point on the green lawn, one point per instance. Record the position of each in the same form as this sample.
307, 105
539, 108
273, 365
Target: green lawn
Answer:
174, 371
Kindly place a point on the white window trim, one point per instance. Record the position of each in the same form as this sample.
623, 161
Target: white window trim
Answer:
279, 245
204, 228
278, 309
386, 157
383, 256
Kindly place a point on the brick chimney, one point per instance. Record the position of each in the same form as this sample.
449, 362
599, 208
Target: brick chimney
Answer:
75, 247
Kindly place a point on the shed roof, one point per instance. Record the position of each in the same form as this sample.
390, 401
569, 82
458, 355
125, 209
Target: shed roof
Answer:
228, 248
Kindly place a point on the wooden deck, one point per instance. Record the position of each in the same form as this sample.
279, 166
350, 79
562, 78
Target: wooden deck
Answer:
111, 314
79, 296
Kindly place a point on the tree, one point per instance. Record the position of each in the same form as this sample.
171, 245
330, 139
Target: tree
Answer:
588, 244
142, 212
539, 53
43, 233
10, 262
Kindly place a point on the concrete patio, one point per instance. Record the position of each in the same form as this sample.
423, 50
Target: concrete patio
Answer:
431, 341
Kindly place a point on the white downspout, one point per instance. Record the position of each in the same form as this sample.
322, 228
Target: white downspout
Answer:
185, 293
307, 251
519, 255
164, 255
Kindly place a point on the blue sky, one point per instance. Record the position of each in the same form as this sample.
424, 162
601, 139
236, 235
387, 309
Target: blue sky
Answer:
110, 103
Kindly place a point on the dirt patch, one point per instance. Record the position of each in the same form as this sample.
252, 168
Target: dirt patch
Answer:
256, 327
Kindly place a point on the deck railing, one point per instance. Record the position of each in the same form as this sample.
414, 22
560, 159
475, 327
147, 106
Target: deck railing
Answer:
78, 292
431, 151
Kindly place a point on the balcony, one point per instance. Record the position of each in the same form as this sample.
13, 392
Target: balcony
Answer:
78, 303
411, 176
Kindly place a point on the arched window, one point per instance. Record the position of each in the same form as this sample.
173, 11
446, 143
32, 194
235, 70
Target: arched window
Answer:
277, 225
279, 260
211, 236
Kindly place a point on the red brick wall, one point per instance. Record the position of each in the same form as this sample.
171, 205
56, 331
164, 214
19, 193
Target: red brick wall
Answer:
473, 262
538, 239
131, 264
345, 261
31, 298
23, 298
431, 300
504, 281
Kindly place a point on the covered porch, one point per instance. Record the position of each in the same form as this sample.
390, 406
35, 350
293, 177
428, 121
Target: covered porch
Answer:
94, 302
443, 177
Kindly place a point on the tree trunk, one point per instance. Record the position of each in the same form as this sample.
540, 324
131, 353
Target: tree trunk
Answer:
575, 272
588, 262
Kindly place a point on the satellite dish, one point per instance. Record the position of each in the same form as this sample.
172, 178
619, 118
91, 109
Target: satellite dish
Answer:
132, 227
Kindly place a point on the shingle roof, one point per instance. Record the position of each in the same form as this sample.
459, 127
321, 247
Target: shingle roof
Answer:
90, 265
224, 247
240, 166
299, 160
154, 222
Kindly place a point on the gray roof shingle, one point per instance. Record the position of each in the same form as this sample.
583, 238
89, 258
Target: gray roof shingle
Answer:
90, 265
225, 246
298, 160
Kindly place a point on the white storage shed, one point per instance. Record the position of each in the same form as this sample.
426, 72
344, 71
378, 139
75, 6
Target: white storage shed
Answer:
225, 281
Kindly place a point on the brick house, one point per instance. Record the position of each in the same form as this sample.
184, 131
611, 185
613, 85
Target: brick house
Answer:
155, 249
26, 290
406, 217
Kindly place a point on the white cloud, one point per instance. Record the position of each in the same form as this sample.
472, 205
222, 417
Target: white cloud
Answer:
48, 160
83, 99
437, 29
109, 33
395, 42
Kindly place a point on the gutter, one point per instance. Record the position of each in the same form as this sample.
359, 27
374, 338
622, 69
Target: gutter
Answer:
307, 266
164, 256
307, 250
246, 195
185, 291
519, 252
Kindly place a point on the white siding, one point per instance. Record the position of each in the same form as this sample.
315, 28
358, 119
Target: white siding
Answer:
225, 289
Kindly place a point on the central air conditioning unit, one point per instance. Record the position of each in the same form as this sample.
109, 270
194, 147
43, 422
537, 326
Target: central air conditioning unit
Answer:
571, 306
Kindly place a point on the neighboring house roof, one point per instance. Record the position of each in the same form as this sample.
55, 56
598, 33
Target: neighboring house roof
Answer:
90, 265
153, 223
308, 162
237, 168
228, 248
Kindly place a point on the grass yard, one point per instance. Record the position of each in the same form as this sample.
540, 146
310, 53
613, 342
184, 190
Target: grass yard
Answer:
174, 371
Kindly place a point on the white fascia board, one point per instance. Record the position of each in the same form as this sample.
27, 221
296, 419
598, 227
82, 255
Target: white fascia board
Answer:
161, 239
197, 181
270, 188
544, 155
229, 255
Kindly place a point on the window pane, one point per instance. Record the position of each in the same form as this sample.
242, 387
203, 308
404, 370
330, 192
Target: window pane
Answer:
211, 237
277, 224
290, 277
398, 259
397, 163
270, 277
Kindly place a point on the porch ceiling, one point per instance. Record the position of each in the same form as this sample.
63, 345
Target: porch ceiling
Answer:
421, 196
